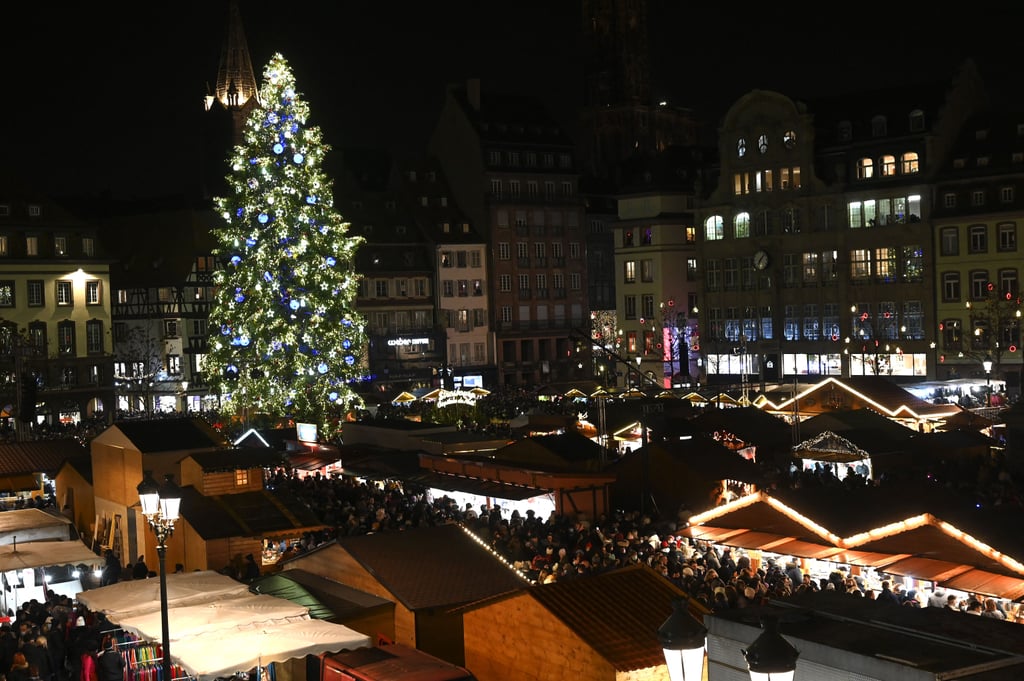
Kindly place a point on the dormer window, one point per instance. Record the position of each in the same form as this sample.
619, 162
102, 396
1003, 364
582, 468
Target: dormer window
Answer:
916, 120
762, 143
5, 210
34, 211
879, 127
741, 147
845, 131
981, 135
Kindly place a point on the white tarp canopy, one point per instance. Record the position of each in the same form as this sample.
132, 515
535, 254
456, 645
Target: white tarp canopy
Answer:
46, 553
32, 524
217, 626
225, 613
139, 596
226, 651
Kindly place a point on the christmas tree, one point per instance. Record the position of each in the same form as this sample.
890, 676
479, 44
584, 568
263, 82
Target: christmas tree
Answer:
285, 339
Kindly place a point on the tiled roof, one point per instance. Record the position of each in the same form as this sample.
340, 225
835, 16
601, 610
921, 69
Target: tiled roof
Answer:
750, 423
238, 458
41, 456
432, 567
246, 514
616, 613
566, 452
166, 435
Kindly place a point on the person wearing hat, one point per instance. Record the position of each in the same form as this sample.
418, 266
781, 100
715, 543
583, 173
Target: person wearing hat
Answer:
140, 570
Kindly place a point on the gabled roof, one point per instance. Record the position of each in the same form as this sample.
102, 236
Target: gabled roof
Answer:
246, 514
873, 392
750, 423
828, 446
39, 456
430, 567
616, 613
562, 453
167, 435
865, 428
237, 458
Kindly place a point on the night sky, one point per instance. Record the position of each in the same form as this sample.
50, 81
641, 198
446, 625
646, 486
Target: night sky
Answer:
102, 100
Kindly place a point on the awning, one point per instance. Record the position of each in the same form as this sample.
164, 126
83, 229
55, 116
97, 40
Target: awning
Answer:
477, 486
18, 482
225, 652
755, 540
711, 534
46, 553
309, 462
225, 613
988, 583
926, 568
804, 549
139, 596
866, 558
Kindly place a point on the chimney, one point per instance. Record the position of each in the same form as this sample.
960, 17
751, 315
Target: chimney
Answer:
473, 92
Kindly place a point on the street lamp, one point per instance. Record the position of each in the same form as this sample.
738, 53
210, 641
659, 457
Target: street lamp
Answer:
771, 657
160, 506
683, 638
639, 375
987, 366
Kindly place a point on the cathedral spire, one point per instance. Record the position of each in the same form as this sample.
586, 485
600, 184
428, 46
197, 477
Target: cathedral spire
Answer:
236, 82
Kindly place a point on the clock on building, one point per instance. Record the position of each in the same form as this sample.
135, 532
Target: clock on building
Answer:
761, 260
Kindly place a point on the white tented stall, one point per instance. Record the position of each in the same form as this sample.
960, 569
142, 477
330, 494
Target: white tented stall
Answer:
217, 628
28, 569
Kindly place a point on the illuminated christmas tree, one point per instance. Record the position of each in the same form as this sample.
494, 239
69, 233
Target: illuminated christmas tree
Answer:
285, 338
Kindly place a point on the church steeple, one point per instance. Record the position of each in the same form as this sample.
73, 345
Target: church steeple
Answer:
236, 89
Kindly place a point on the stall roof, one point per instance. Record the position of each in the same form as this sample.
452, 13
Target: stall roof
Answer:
755, 540
45, 553
223, 653
926, 568
805, 549
12, 522
867, 558
245, 610
138, 596
980, 581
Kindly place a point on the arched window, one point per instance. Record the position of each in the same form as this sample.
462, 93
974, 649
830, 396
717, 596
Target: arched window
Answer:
762, 143
741, 225
909, 163
865, 168
916, 120
789, 139
741, 147
878, 126
713, 228
887, 165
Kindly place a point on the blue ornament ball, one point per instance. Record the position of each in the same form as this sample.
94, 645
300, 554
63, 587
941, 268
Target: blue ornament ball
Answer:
332, 396
294, 304
331, 262
322, 368
250, 242
267, 277
311, 200
346, 343
278, 148
263, 218
235, 260
350, 360
298, 158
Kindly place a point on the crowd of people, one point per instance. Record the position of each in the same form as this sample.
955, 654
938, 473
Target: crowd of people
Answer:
559, 548
58, 640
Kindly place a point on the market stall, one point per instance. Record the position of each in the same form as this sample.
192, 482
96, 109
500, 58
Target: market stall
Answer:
217, 627
29, 569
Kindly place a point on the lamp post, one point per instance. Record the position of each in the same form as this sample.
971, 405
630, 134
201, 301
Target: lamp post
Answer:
987, 365
160, 506
639, 374
682, 639
771, 657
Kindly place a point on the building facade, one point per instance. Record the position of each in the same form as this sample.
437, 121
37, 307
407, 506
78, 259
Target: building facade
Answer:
816, 245
512, 170
55, 314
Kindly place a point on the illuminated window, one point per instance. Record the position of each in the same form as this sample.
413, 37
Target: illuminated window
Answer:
241, 478
713, 230
7, 293
741, 225
92, 292
64, 293
909, 163
865, 169
887, 165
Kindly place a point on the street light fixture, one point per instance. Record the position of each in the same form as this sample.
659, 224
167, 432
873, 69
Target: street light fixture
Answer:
160, 505
987, 365
771, 657
683, 639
